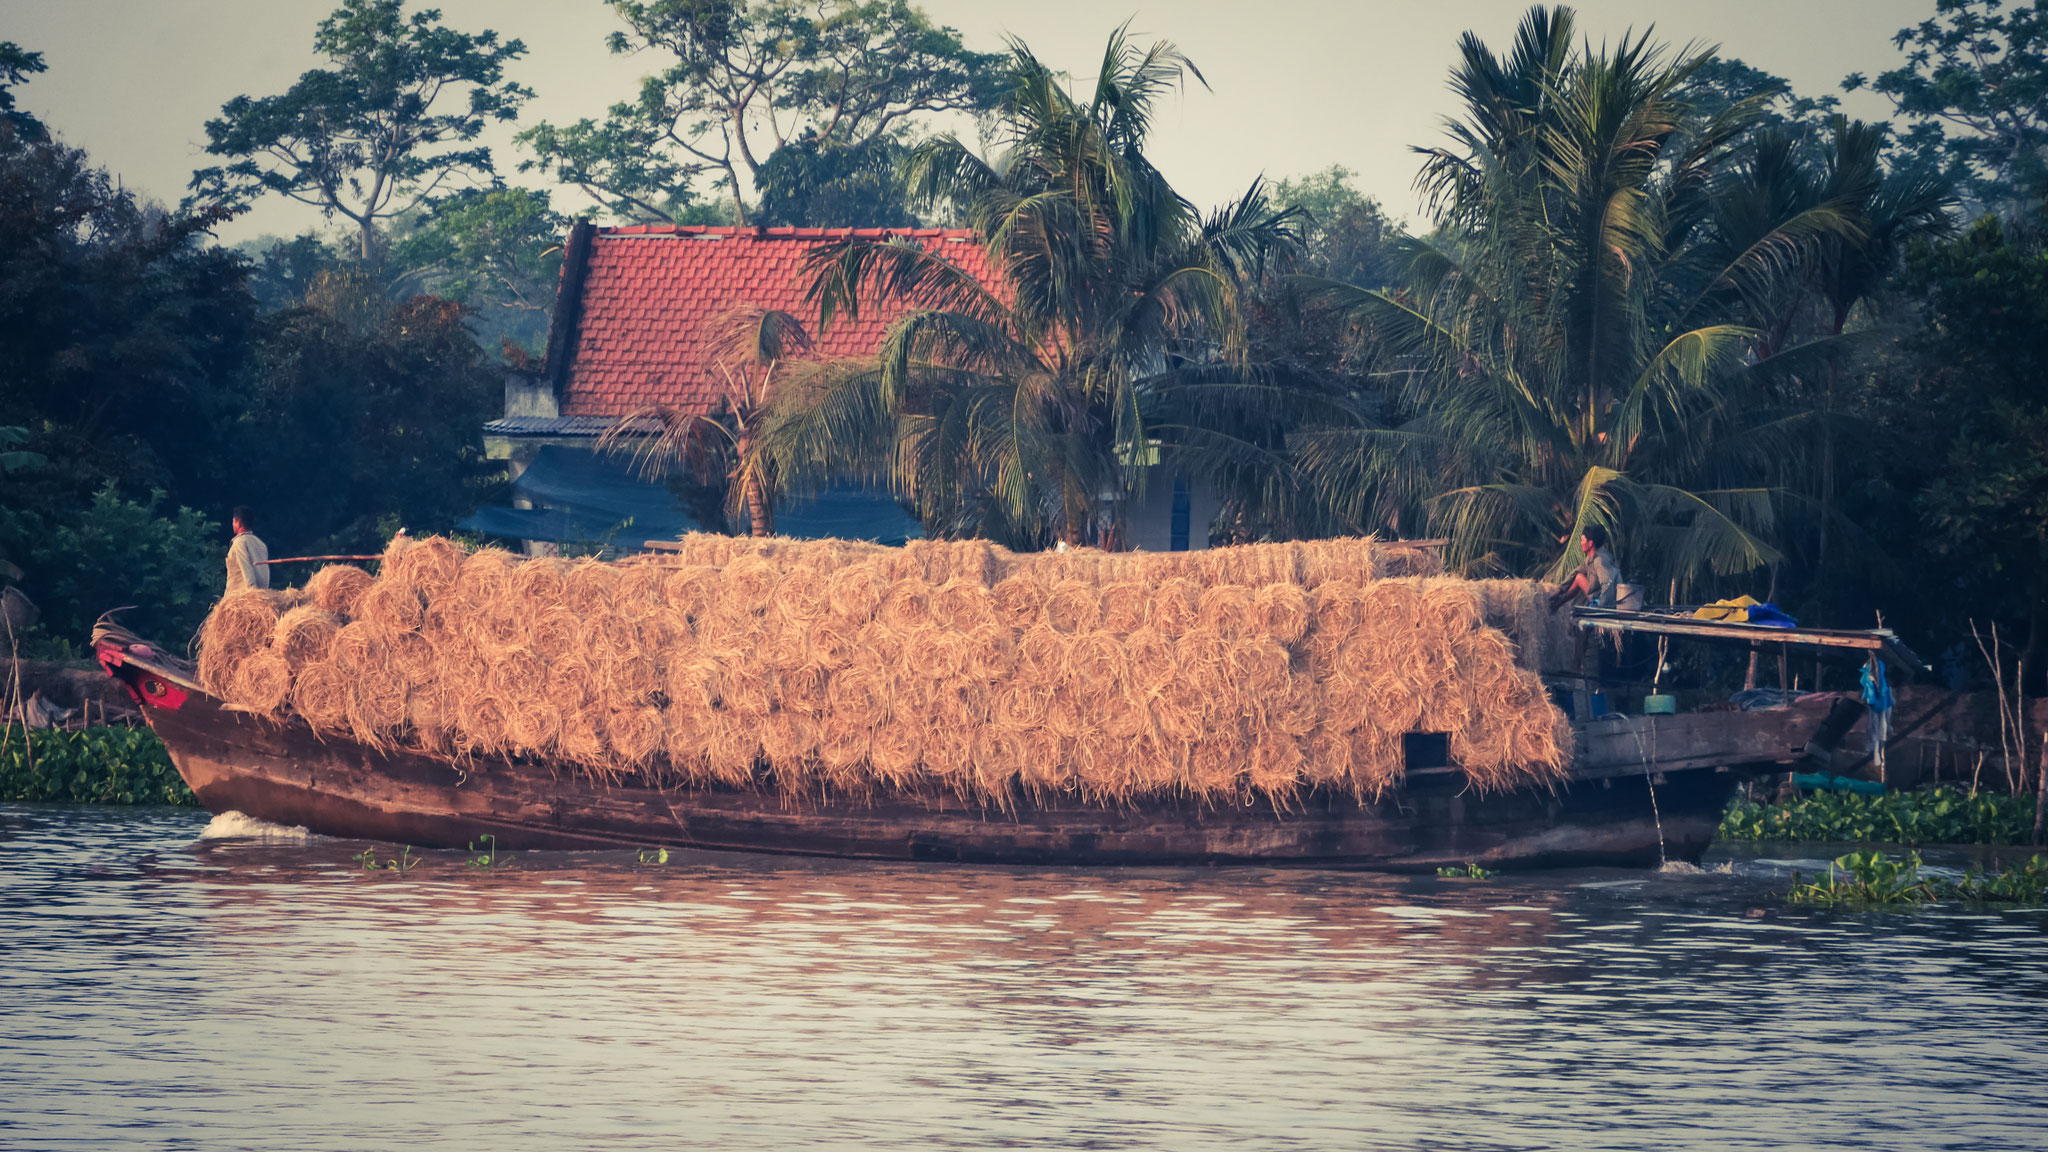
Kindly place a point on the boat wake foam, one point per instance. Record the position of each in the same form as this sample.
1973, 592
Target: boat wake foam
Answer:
241, 826
1682, 868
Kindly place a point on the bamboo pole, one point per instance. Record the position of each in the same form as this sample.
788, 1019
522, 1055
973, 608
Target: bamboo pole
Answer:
314, 559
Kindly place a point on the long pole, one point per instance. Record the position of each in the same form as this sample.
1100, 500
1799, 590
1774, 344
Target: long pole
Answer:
312, 559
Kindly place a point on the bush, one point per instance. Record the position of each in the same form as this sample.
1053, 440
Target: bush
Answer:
114, 552
109, 765
1943, 815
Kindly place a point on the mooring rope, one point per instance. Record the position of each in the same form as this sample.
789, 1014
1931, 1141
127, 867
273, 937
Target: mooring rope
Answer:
1663, 856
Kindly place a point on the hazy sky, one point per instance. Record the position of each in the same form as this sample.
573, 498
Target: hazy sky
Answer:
1295, 85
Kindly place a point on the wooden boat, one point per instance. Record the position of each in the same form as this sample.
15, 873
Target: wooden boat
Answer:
1642, 790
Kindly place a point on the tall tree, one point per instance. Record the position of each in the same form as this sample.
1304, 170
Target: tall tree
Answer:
1347, 235
1582, 338
381, 131
1012, 412
17, 64
749, 77
1975, 91
1974, 420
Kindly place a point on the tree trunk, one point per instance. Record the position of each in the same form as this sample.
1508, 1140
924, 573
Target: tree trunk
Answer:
760, 517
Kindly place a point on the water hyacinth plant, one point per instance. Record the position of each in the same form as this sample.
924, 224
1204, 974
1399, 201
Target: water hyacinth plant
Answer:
100, 765
1874, 880
1944, 815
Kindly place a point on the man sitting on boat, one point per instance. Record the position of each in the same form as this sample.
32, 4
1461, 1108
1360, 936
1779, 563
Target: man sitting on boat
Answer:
248, 557
1598, 578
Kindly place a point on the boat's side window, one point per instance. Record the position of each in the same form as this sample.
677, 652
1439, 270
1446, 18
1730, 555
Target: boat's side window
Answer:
1427, 749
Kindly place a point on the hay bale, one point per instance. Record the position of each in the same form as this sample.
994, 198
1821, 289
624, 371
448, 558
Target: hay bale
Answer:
427, 567
963, 606
1280, 612
303, 635
946, 667
532, 726
239, 626
636, 734
1175, 606
540, 583
1072, 606
854, 592
1126, 607
337, 587
486, 578
320, 695
1019, 600
690, 590
262, 682
748, 588
590, 588
906, 606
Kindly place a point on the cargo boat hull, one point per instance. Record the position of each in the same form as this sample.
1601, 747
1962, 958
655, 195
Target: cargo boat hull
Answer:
1631, 814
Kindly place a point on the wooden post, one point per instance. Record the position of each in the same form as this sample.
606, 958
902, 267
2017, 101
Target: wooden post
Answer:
1749, 678
1784, 668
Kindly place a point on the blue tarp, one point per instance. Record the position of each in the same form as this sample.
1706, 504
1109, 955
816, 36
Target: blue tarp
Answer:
581, 498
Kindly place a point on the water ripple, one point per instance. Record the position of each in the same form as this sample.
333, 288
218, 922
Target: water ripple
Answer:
165, 991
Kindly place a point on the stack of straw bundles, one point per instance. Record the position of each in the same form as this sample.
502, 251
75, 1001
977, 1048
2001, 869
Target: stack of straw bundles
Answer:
953, 668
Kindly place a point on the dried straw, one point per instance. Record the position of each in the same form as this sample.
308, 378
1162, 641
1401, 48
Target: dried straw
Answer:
337, 587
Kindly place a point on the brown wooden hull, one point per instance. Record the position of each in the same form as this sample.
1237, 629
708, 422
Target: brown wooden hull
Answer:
288, 774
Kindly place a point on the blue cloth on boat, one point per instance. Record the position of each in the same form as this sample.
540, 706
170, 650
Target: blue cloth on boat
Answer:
1770, 616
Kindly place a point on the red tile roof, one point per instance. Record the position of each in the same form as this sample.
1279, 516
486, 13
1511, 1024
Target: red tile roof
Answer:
648, 291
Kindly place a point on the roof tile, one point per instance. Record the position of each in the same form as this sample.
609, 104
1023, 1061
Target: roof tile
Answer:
650, 290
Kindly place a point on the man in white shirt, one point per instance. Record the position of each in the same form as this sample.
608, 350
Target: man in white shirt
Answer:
247, 555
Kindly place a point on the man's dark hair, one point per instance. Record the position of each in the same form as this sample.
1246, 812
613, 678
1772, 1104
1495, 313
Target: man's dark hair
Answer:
243, 513
1593, 532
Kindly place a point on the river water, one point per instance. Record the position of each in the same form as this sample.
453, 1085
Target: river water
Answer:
160, 990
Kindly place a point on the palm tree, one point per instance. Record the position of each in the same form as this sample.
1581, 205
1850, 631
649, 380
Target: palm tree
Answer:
1582, 335
1021, 414
745, 349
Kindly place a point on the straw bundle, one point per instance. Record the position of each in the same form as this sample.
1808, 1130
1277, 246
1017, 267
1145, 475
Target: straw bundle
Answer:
238, 627
262, 682
1072, 606
947, 667
337, 587
303, 635
1018, 601
427, 568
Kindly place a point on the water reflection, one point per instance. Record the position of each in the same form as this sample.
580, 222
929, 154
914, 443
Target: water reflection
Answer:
164, 993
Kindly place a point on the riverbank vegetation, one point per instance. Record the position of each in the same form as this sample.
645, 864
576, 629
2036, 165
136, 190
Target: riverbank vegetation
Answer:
98, 765
1772, 348
1944, 815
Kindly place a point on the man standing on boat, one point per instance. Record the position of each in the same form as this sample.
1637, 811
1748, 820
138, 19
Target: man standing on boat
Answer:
248, 558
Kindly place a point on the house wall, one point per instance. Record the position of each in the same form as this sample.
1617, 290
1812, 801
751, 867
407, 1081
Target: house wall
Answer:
1150, 523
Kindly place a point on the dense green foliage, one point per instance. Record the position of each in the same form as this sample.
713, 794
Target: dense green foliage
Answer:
1942, 815
1874, 880
1607, 322
1974, 90
741, 79
109, 765
1009, 414
165, 563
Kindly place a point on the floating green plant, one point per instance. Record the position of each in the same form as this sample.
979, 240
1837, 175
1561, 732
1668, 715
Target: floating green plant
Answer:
108, 764
1943, 815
